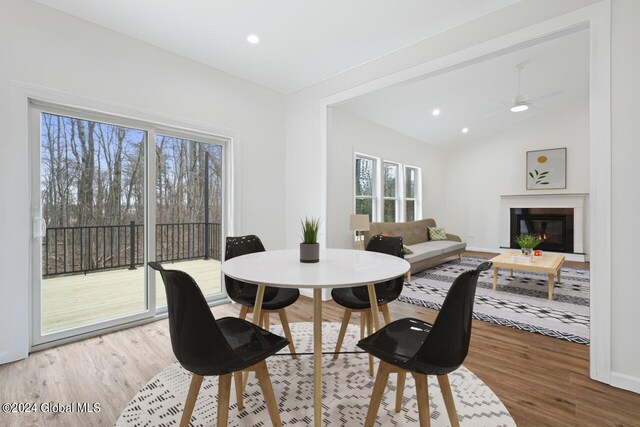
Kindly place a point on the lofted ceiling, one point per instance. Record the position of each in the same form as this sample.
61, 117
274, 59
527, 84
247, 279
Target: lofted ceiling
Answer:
302, 41
478, 96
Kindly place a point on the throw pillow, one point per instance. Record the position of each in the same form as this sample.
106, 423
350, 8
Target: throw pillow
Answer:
437, 233
406, 250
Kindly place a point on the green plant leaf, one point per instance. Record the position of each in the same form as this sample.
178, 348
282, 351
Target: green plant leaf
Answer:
527, 240
531, 175
310, 228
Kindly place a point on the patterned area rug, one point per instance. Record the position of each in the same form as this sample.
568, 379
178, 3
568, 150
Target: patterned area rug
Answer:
520, 302
346, 394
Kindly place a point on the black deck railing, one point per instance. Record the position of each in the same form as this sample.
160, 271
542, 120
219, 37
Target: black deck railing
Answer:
68, 250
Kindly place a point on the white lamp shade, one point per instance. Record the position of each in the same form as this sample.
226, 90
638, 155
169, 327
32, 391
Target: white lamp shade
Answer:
359, 223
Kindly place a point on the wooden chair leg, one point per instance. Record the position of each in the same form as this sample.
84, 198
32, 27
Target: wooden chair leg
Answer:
363, 317
192, 396
445, 389
376, 395
287, 332
243, 312
245, 380
237, 378
267, 390
265, 320
408, 277
385, 313
343, 330
422, 391
224, 389
402, 376
370, 332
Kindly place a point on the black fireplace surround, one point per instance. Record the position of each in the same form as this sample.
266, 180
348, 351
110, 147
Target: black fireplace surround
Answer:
553, 225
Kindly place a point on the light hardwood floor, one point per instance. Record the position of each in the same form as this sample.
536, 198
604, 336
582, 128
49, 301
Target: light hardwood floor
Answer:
542, 381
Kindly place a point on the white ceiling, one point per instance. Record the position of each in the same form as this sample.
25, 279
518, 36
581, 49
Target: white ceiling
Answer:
302, 41
467, 95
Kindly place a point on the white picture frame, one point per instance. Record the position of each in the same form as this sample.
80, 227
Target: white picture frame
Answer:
547, 169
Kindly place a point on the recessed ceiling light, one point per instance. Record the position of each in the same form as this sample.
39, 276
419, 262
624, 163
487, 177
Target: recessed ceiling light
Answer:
465, 130
253, 39
436, 112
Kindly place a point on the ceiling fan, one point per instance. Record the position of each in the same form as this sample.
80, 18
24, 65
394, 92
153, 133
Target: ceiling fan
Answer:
520, 102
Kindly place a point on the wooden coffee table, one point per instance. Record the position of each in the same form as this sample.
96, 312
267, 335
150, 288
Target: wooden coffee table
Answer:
546, 263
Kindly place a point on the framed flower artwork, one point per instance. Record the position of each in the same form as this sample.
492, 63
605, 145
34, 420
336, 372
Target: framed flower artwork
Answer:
547, 169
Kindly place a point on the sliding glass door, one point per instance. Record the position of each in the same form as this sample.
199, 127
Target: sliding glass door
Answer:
189, 198
109, 195
89, 205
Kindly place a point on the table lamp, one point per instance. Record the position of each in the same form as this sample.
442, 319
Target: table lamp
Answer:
359, 223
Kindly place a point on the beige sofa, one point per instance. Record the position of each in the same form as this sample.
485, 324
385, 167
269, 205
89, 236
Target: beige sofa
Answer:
415, 235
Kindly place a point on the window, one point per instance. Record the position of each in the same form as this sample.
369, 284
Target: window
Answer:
391, 196
396, 199
366, 186
411, 183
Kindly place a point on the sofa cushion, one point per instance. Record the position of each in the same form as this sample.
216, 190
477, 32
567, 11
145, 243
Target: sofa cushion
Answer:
454, 246
422, 251
406, 250
432, 248
437, 233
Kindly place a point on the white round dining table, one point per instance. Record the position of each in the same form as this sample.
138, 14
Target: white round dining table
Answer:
336, 268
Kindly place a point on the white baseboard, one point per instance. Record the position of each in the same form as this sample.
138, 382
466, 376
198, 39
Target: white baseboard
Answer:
626, 382
568, 257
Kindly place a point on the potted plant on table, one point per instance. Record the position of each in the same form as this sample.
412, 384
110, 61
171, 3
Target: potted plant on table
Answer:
527, 242
309, 248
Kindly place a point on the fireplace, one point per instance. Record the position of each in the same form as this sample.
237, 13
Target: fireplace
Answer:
553, 225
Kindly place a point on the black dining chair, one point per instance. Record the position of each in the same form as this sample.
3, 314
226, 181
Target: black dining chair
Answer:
357, 298
274, 300
205, 346
411, 345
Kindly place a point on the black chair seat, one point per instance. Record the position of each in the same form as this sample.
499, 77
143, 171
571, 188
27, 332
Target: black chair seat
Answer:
358, 298
398, 344
250, 343
282, 298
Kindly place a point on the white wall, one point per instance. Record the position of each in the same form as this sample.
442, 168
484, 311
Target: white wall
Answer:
625, 90
40, 46
349, 134
482, 169
304, 191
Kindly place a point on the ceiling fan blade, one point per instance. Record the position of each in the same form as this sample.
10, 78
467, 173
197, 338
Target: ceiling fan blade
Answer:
495, 113
546, 96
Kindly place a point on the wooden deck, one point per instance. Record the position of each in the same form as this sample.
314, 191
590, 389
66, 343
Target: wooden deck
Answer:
77, 300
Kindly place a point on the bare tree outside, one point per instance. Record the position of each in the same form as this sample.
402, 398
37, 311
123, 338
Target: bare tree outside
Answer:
92, 190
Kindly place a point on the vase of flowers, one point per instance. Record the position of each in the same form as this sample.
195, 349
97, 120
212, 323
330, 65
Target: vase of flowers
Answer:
527, 243
309, 248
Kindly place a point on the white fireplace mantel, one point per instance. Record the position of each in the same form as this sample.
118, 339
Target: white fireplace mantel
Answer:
576, 201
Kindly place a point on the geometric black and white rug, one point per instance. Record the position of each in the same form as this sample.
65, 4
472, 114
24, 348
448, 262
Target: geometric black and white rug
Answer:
347, 390
520, 302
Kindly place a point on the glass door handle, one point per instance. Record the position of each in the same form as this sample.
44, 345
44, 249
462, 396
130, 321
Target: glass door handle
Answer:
39, 228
